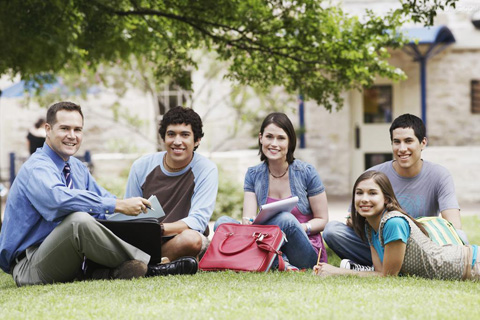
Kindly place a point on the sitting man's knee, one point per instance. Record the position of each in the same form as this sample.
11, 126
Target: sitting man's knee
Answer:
191, 240
79, 218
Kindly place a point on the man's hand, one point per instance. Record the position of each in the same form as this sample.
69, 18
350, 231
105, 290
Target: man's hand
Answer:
452, 215
132, 206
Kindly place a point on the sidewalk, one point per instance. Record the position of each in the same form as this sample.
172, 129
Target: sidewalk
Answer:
338, 207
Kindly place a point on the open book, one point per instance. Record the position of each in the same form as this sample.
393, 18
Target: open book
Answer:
156, 212
267, 211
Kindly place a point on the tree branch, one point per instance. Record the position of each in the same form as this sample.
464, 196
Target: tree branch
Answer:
197, 24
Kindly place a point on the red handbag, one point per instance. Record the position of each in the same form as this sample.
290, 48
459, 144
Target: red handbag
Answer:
244, 248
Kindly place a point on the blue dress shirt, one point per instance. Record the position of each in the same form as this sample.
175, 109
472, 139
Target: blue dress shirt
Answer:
39, 199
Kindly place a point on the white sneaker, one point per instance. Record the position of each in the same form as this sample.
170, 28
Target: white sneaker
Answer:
290, 267
349, 264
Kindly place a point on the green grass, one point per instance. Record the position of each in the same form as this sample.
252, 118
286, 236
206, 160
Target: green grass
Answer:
229, 295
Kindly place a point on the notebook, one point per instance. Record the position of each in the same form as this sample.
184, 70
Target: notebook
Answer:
142, 231
267, 211
156, 212
144, 234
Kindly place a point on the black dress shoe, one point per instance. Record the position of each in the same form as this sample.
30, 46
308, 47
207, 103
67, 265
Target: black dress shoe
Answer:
185, 265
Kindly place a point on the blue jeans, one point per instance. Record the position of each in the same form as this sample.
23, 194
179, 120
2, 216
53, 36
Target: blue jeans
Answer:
298, 249
462, 236
346, 243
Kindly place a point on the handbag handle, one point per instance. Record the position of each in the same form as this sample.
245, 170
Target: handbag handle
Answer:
258, 238
267, 247
220, 248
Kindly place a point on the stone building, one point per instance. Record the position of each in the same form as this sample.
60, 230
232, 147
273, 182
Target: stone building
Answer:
340, 144
343, 144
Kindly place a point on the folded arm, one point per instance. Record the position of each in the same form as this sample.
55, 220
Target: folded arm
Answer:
391, 266
319, 206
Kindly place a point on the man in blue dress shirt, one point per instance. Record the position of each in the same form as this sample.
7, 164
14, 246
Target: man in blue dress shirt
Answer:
49, 225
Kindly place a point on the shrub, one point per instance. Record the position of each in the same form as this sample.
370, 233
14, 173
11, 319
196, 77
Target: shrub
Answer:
229, 198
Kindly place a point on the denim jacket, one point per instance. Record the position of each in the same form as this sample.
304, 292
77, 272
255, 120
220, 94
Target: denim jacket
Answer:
304, 182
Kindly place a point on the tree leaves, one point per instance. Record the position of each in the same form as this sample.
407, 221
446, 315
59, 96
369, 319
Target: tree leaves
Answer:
424, 11
306, 46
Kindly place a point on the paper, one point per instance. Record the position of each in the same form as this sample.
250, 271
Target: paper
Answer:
156, 213
267, 211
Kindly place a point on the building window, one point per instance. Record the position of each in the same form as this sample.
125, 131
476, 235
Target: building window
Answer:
372, 159
168, 97
475, 91
377, 104
172, 96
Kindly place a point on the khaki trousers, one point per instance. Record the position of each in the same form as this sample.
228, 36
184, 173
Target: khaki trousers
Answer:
60, 256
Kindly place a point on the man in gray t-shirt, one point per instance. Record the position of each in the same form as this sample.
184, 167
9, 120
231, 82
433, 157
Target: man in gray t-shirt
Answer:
422, 188
427, 194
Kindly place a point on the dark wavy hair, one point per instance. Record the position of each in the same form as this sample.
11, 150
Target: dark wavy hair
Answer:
392, 204
39, 123
409, 121
64, 105
180, 115
280, 120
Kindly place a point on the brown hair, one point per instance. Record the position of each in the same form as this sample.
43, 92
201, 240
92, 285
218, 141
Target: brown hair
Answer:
280, 120
64, 105
392, 203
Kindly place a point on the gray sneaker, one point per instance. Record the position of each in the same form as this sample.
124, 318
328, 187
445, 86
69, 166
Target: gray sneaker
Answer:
349, 264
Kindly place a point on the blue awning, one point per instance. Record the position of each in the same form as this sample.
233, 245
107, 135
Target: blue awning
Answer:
431, 41
14, 91
429, 35
18, 89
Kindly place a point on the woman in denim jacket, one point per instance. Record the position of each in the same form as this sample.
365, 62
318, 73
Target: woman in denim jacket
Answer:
281, 176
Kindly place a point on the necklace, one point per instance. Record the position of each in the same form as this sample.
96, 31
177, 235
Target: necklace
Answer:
174, 169
278, 177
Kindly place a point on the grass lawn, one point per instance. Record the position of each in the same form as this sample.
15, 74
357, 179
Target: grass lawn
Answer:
228, 295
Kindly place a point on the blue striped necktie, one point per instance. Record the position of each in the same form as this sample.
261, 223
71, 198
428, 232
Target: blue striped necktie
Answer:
68, 176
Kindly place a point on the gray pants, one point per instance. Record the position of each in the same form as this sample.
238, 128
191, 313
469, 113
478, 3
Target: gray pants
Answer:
60, 256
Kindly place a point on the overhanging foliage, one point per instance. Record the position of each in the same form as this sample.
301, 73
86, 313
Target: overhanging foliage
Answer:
306, 46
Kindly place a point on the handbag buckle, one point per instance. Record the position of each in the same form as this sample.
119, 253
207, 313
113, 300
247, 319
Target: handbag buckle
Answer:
260, 236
